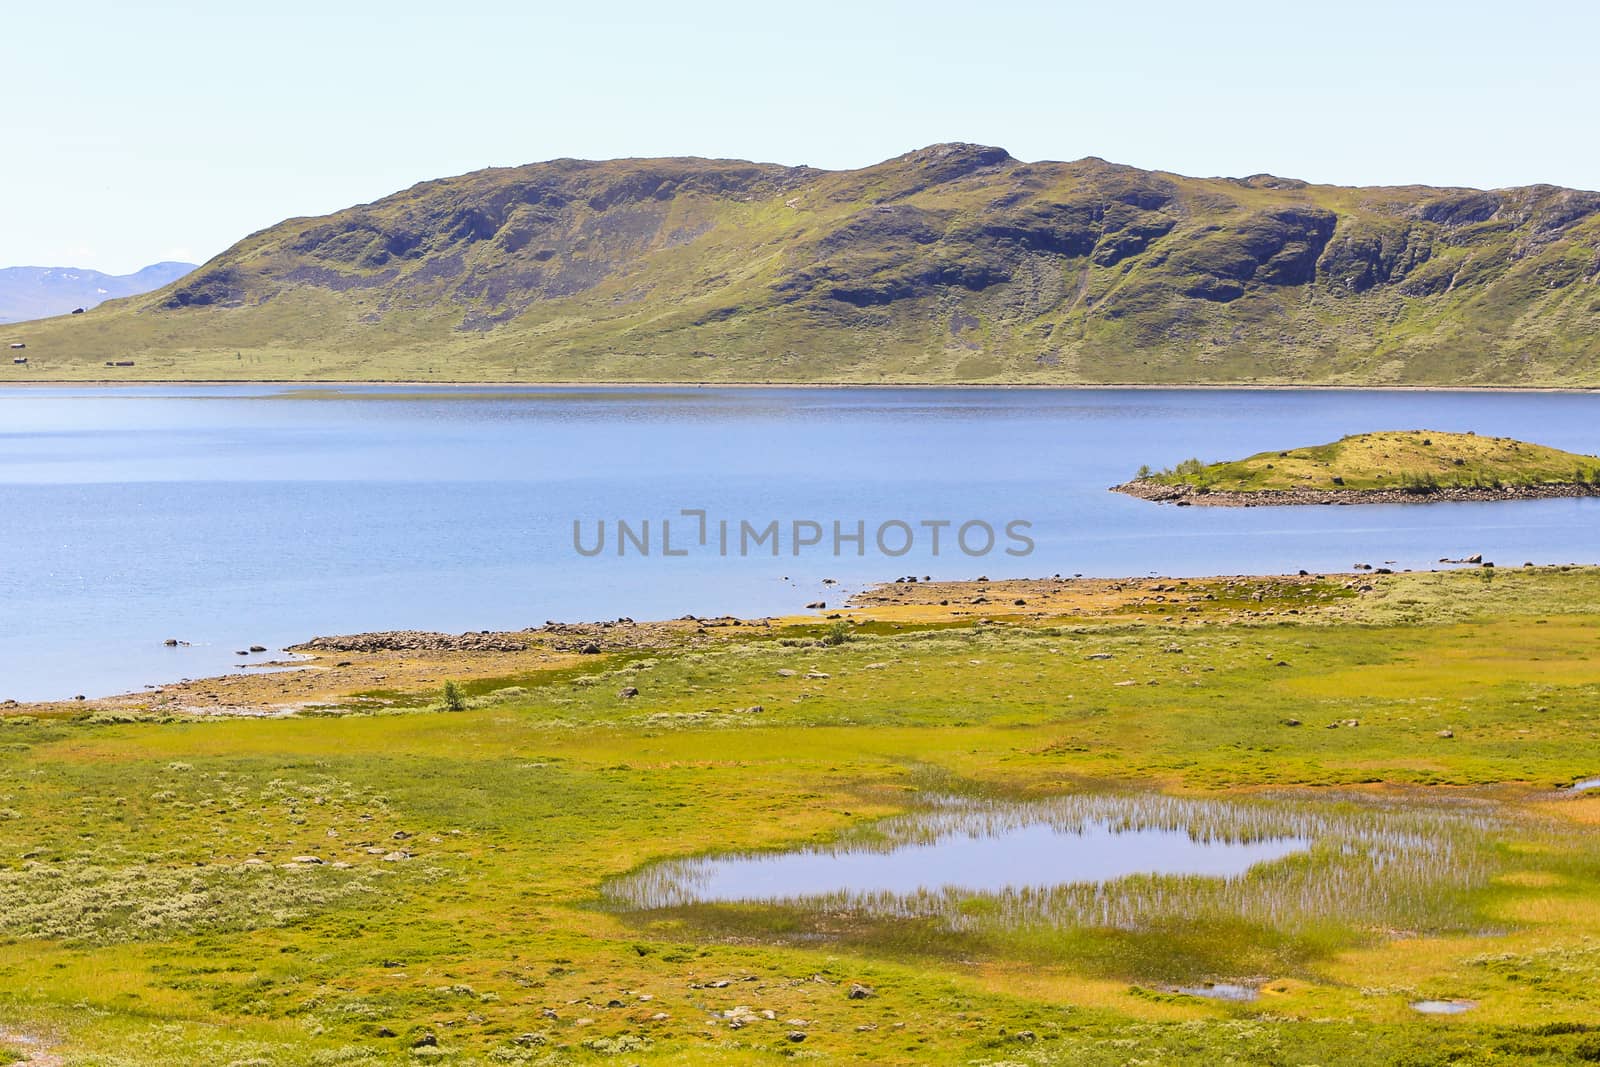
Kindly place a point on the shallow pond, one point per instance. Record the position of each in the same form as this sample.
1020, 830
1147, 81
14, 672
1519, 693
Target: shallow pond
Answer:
1229, 991
1035, 855
1442, 1007
1120, 860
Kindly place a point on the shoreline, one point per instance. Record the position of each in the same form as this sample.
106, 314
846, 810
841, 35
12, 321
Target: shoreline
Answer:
1189, 495
846, 384
329, 671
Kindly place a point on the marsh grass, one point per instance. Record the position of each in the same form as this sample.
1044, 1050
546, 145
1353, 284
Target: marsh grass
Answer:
105, 901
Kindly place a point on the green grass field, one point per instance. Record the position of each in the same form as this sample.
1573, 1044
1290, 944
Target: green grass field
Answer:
153, 911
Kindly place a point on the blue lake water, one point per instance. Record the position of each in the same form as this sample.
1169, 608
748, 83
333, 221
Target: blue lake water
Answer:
230, 516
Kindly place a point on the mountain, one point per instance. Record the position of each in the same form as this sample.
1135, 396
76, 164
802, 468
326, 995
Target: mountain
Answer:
952, 263
39, 292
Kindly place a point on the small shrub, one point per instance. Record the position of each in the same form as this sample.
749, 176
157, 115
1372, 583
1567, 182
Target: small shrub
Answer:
1419, 483
837, 634
454, 699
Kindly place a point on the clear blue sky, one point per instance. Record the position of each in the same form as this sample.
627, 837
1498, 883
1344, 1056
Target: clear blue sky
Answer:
132, 132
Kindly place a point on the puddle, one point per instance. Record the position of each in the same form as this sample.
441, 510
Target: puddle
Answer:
1443, 1007
1585, 785
1220, 991
1121, 860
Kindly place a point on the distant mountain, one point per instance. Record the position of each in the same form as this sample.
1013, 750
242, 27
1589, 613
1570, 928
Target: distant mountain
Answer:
40, 292
952, 263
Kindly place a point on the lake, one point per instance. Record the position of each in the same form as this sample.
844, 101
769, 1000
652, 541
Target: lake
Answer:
227, 516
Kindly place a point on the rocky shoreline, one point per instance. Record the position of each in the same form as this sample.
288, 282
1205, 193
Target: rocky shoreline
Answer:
1189, 495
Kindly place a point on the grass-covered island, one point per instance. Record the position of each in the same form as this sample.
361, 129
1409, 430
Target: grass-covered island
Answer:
349, 863
1394, 466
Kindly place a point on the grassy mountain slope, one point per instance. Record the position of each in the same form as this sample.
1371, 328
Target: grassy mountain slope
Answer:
953, 263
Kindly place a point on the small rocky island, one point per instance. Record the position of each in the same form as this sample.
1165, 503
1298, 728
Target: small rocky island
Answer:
1389, 467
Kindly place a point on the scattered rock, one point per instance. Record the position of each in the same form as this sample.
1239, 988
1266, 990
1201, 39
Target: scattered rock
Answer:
258, 648
628, 692
860, 992
796, 1036
413, 641
1446, 733
816, 605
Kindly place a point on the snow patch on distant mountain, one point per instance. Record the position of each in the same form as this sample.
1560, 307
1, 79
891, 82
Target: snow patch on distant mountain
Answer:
40, 292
